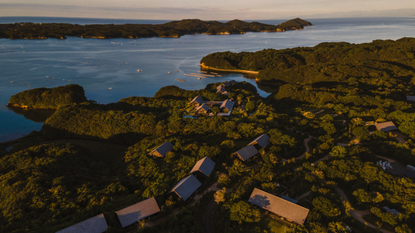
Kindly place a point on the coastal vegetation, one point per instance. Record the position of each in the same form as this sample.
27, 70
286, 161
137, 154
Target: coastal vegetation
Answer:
380, 61
48, 98
324, 151
170, 29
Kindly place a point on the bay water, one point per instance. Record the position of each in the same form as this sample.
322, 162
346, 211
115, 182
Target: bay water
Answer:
107, 68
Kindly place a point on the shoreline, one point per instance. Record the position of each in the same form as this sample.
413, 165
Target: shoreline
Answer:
225, 70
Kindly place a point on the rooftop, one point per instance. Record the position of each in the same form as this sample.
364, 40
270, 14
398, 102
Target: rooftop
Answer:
247, 152
186, 187
138, 211
204, 165
95, 224
386, 126
262, 141
279, 206
163, 149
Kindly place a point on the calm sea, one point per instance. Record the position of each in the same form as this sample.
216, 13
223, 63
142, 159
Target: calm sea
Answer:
107, 69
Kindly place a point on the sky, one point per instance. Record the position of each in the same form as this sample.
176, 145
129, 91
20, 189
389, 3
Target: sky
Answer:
208, 10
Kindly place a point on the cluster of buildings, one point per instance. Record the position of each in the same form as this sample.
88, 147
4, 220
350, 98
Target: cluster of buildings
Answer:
252, 148
141, 210
204, 107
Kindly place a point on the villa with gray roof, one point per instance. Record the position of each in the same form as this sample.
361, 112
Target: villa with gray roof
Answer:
221, 89
262, 141
96, 224
233, 82
411, 98
138, 211
202, 109
197, 101
279, 206
204, 166
227, 104
162, 150
186, 187
386, 126
247, 152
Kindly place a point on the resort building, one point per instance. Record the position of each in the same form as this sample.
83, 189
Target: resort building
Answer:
286, 209
96, 224
411, 98
261, 141
202, 109
204, 166
232, 82
186, 187
386, 126
197, 101
221, 89
247, 152
227, 104
162, 150
138, 211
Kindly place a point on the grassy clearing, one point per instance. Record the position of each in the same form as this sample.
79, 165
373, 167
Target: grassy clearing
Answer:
274, 225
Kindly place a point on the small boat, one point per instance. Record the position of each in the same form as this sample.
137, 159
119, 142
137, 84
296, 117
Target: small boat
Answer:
110, 88
139, 70
169, 72
181, 80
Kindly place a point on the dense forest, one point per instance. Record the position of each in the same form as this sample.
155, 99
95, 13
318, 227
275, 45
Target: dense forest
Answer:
48, 98
324, 151
171, 29
383, 60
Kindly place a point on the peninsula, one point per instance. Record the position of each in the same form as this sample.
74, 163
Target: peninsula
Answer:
171, 29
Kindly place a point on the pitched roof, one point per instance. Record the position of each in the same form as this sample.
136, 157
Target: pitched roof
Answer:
138, 211
386, 126
197, 99
95, 224
227, 84
247, 152
220, 88
279, 206
228, 104
232, 82
262, 141
163, 148
410, 98
204, 107
204, 165
186, 187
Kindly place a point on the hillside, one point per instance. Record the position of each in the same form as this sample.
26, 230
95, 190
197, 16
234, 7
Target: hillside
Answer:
171, 29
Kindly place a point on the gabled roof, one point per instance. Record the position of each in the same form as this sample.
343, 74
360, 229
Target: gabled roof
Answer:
247, 152
203, 107
95, 224
138, 211
227, 84
220, 88
197, 99
232, 82
163, 149
262, 141
412, 98
186, 187
279, 206
204, 165
386, 126
228, 104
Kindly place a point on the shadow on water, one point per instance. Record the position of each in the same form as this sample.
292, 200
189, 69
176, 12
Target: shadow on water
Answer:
35, 115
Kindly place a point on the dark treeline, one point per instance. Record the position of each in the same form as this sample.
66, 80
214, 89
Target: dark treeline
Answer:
326, 62
171, 29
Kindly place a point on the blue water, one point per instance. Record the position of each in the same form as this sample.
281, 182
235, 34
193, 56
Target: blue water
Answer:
98, 65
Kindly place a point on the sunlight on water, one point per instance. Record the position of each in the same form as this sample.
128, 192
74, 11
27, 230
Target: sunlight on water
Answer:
99, 65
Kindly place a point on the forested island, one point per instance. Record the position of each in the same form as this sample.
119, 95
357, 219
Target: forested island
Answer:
338, 146
171, 29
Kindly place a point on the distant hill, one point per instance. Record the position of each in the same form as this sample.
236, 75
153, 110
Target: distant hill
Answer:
170, 29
